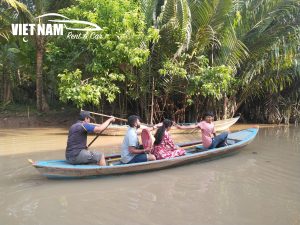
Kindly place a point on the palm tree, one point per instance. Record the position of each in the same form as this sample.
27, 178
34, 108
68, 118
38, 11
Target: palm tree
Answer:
271, 33
257, 38
27, 13
190, 28
9, 47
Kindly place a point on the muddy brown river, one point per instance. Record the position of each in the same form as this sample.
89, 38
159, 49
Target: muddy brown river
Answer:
260, 185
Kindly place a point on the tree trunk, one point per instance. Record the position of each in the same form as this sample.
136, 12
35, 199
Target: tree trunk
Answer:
145, 109
2, 85
152, 102
225, 107
6, 84
41, 101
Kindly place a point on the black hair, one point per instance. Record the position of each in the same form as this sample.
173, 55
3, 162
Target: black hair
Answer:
132, 119
161, 131
208, 113
85, 114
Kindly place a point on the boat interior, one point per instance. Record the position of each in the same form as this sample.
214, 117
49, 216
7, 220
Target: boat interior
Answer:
114, 161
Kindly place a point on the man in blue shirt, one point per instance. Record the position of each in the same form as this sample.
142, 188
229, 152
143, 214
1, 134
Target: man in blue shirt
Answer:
76, 151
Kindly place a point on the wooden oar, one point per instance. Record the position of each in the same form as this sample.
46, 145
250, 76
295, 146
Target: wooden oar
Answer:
95, 138
100, 114
117, 118
192, 129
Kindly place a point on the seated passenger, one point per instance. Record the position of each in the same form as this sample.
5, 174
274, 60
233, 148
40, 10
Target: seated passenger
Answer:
130, 150
164, 147
209, 138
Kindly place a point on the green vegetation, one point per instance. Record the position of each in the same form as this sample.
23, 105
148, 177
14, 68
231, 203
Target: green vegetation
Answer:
158, 58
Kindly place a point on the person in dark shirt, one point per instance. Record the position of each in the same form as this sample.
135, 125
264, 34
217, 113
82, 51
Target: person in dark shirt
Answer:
76, 151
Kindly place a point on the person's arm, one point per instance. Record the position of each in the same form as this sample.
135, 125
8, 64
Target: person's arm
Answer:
133, 143
134, 150
139, 131
214, 131
99, 128
187, 127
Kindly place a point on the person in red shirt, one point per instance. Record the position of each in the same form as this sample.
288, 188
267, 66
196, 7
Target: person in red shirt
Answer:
209, 138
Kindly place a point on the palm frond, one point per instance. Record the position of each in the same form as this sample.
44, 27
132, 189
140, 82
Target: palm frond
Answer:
20, 8
184, 17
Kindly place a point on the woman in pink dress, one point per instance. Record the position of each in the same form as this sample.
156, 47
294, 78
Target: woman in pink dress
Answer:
164, 147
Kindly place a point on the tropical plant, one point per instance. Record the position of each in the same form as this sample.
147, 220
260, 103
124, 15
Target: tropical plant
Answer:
164, 58
110, 59
257, 39
26, 12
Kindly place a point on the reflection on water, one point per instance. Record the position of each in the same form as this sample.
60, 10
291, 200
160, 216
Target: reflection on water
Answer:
260, 185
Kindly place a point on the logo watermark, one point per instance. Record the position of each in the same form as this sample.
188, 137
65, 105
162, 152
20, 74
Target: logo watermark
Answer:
58, 28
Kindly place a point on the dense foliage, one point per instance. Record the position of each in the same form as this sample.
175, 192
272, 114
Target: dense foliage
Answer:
160, 58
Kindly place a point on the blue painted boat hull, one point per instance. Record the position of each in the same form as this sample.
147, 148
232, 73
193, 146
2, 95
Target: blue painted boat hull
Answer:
62, 169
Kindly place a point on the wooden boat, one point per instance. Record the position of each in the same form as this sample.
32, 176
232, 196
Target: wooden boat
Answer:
61, 169
220, 125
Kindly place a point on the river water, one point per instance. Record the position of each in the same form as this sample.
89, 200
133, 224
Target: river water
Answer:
260, 185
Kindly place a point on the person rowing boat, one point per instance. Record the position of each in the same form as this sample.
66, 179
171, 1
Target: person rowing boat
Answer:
77, 151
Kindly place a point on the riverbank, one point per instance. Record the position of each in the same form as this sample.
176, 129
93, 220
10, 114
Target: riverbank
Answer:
18, 116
